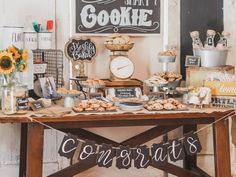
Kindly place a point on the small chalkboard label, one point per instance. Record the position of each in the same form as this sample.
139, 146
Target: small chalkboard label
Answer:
36, 105
80, 49
192, 60
22, 103
125, 92
95, 96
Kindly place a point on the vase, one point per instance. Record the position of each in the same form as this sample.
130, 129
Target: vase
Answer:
8, 99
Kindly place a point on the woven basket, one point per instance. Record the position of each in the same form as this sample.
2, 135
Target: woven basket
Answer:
118, 47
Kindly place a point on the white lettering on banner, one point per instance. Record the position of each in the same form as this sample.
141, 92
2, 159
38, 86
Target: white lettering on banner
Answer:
173, 152
64, 146
87, 151
142, 163
126, 155
159, 156
104, 157
125, 17
192, 148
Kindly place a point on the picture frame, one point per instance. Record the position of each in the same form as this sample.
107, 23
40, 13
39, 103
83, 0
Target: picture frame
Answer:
48, 87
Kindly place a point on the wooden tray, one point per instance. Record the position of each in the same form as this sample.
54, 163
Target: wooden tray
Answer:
123, 83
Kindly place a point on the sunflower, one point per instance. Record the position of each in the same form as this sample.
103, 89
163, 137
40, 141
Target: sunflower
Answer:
7, 63
25, 54
14, 52
22, 67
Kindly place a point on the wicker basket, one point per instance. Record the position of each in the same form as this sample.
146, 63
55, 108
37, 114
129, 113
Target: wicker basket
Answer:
119, 47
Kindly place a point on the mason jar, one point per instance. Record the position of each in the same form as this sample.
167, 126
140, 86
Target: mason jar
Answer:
8, 100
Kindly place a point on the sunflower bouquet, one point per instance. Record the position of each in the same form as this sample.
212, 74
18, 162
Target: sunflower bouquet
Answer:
13, 60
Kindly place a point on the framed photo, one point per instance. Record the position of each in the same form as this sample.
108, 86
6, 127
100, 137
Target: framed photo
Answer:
192, 60
48, 87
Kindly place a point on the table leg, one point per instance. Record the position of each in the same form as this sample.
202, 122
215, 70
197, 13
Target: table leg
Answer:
23, 150
222, 149
35, 150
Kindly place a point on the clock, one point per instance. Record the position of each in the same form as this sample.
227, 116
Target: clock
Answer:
121, 68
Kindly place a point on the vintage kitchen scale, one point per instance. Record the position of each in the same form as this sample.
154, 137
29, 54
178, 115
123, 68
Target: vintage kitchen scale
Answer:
121, 67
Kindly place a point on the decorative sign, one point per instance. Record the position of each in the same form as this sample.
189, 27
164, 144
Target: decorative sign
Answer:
68, 146
80, 49
192, 60
219, 88
36, 105
118, 16
192, 144
125, 92
105, 156
123, 157
141, 157
88, 153
97, 95
159, 154
22, 103
176, 150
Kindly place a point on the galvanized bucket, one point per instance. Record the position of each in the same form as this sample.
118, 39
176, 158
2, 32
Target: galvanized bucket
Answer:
211, 57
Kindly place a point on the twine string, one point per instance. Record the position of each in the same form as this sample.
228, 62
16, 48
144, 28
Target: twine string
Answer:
226, 117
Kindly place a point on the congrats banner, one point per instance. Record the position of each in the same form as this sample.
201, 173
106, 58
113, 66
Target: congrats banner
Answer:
118, 16
143, 156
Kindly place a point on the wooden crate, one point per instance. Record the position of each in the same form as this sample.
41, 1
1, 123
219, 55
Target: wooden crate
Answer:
195, 76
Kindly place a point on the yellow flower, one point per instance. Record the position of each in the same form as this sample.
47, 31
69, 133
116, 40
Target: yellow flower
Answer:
23, 67
14, 52
25, 55
7, 63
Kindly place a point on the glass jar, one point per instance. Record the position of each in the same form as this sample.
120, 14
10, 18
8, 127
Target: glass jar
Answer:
1, 84
8, 99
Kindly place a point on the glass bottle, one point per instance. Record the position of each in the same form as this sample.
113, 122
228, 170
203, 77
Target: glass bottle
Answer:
8, 99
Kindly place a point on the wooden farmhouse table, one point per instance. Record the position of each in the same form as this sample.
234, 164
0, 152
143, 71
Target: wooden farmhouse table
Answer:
32, 137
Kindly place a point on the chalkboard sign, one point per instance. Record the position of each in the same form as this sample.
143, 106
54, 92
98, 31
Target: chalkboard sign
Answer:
118, 16
22, 103
36, 105
80, 49
192, 61
125, 92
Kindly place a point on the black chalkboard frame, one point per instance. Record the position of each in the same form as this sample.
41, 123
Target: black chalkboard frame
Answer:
75, 38
74, 24
192, 57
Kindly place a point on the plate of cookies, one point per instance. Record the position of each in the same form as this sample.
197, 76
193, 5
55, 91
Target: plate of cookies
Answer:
94, 106
170, 104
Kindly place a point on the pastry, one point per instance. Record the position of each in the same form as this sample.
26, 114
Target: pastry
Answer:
168, 106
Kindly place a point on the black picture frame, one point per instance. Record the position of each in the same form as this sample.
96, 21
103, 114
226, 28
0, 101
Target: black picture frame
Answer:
191, 60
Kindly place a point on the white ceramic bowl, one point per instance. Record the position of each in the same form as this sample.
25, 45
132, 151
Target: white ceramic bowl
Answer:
130, 106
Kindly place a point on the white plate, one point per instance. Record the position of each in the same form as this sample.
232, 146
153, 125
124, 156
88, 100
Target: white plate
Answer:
130, 106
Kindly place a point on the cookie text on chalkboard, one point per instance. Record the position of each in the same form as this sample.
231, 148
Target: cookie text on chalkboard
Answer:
126, 16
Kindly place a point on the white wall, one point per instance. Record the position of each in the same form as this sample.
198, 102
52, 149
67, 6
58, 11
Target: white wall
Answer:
144, 55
